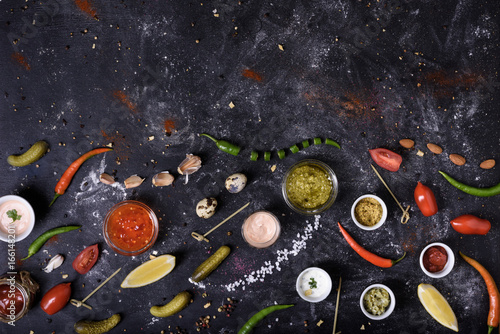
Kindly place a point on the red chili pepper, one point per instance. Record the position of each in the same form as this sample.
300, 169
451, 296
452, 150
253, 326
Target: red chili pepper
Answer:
368, 256
494, 313
65, 180
469, 224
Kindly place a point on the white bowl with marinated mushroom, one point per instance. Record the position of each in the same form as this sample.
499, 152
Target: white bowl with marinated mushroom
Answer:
377, 301
369, 212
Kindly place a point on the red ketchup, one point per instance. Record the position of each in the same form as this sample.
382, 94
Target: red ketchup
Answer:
435, 259
10, 299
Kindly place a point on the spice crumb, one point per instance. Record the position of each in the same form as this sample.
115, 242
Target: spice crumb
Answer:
65, 276
273, 168
207, 305
319, 323
362, 327
420, 153
280, 46
231, 105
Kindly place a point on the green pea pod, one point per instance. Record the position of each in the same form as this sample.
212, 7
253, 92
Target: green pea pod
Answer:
30, 156
259, 316
174, 306
97, 327
480, 192
210, 264
42, 239
224, 146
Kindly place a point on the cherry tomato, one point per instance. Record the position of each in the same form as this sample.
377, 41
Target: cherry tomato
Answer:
469, 224
56, 298
86, 259
425, 200
386, 159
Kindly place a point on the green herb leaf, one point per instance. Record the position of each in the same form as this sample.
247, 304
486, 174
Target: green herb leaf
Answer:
313, 284
13, 214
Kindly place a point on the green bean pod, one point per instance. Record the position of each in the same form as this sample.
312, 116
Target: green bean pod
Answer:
250, 324
30, 156
97, 327
474, 191
210, 264
42, 239
174, 306
223, 145
332, 142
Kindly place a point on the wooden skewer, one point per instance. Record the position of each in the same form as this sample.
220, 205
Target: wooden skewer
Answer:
79, 303
337, 306
406, 215
200, 237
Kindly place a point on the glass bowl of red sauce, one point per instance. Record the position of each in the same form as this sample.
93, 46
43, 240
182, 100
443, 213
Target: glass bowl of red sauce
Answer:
130, 228
437, 260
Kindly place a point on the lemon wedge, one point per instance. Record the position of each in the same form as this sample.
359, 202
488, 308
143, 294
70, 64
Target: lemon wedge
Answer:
437, 306
149, 272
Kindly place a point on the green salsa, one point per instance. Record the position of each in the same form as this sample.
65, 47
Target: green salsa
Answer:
308, 186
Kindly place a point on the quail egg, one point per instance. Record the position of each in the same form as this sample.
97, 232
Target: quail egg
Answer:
206, 207
236, 182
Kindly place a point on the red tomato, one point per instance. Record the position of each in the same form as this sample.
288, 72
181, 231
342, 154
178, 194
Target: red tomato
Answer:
425, 200
56, 298
469, 224
386, 159
86, 259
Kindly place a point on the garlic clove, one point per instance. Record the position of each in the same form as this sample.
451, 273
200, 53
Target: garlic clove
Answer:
106, 178
163, 179
54, 263
133, 181
189, 165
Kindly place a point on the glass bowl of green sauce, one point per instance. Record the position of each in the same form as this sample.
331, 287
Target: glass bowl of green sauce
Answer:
309, 187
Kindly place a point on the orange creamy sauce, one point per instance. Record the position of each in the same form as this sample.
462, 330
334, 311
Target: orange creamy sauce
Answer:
130, 227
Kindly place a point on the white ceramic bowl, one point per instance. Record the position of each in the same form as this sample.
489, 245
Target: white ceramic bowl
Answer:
381, 221
387, 312
448, 266
328, 289
4, 236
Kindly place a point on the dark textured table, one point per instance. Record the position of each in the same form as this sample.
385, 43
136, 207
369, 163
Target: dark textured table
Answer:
148, 77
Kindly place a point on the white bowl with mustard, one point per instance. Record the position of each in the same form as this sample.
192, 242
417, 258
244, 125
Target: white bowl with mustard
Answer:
314, 284
17, 218
369, 212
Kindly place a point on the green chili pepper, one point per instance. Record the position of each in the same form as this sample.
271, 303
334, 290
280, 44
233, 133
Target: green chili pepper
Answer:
259, 316
305, 143
267, 156
42, 239
294, 149
224, 146
480, 192
332, 142
281, 154
317, 141
254, 155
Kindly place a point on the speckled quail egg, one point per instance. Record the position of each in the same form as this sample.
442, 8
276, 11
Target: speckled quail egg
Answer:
206, 207
236, 182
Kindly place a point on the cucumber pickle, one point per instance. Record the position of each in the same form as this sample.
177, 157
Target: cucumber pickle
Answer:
30, 156
210, 264
97, 327
174, 306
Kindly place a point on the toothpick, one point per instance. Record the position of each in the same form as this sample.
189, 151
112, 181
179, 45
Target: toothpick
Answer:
337, 306
79, 303
406, 216
200, 237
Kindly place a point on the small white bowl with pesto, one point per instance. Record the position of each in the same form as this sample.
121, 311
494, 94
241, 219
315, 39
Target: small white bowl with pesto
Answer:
377, 301
314, 284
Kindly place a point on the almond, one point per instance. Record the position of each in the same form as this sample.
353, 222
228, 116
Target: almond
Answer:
488, 164
407, 143
457, 159
434, 148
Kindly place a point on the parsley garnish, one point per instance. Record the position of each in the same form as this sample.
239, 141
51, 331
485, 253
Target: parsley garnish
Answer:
13, 214
313, 283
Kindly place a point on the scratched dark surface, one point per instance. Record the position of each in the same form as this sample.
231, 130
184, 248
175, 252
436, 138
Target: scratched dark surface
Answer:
364, 73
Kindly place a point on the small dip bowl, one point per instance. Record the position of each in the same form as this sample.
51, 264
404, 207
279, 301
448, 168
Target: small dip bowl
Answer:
293, 177
261, 229
130, 228
322, 281
447, 267
369, 202
388, 310
4, 235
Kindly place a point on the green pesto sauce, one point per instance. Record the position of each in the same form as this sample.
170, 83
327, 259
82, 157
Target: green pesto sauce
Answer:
308, 187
